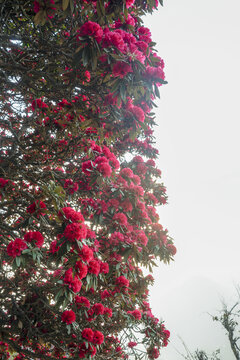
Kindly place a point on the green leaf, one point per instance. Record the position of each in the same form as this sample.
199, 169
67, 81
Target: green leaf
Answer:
85, 56
123, 92
161, 2
58, 295
65, 4
157, 93
26, 251
18, 261
72, 5
94, 62
34, 255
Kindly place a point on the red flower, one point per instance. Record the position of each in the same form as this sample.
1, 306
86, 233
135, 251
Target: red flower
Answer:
71, 214
153, 353
137, 112
98, 309
3, 182
83, 350
114, 38
73, 282
81, 269
94, 267
76, 285
127, 205
38, 103
105, 169
131, 344
122, 281
36, 206
129, 3
53, 247
36, 6
86, 253
71, 186
110, 99
36, 237
82, 301
87, 75
93, 29
172, 249
105, 294
126, 172
75, 231
144, 34
87, 167
116, 238
98, 337
108, 312
120, 218
104, 268
16, 247
87, 334
142, 238
68, 316
136, 314
151, 162
154, 73
121, 69
137, 159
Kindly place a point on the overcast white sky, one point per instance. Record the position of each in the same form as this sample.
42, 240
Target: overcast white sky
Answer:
198, 140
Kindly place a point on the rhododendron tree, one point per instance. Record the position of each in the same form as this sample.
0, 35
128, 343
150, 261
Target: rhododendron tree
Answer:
79, 187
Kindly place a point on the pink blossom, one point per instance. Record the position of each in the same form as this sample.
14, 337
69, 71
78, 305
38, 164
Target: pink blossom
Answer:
121, 69
120, 218
92, 29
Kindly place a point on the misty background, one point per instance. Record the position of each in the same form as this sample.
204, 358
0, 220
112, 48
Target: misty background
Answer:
198, 141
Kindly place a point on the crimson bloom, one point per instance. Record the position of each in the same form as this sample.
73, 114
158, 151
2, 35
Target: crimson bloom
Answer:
75, 231
34, 237
87, 334
121, 69
68, 316
16, 247
98, 337
92, 29
122, 281
36, 206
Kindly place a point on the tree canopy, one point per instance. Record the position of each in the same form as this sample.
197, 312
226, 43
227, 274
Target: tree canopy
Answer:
79, 186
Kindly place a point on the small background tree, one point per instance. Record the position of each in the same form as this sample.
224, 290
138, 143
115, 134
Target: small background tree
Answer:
228, 317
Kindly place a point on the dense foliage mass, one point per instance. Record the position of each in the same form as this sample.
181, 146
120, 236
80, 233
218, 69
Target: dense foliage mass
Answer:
78, 182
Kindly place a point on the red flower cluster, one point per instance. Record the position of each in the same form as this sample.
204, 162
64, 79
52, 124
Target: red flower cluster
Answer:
136, 314
37, 206
120, 218
82, 301
3, 182
121, 69
68, 316
122, 281
71, 215
72, 281
75, 231
34, 237
70, 186
16, 247
92, 29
